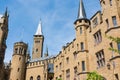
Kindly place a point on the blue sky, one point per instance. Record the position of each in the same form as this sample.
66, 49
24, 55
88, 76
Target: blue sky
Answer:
57, 18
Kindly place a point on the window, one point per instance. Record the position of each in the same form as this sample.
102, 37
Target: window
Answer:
110, 2
97, 37
16, 49
83, 65
56, 78
111, 46
24, 52
75, 55
67, 60
36, 50
82, 46
60, 76
19, 58
60, 65
38, 77
118, 46
114, 21
31, 78
68, 74
56, 68
37, 41
18, 69
80, 30
116, 77
100, 58
75, 73
107, 24
95, 22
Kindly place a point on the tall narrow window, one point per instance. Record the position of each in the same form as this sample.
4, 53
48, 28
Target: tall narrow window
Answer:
75, 73
16, 50
80, 30
60, 65
110, 2
67, 60
114, 21
107, 24
68, 74
82, 46
31, 78
56, 68
75, 55
38, 77
98, 37
111, 46
83, 65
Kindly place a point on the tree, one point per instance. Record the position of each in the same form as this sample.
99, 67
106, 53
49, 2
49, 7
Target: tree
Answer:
94, 76
59, 79
117, 40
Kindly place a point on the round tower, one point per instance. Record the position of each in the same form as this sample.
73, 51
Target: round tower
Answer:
81, 26
18, 61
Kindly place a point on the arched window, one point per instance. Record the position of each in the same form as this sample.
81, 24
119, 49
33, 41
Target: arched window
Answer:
80, 30
38, 77
31, 78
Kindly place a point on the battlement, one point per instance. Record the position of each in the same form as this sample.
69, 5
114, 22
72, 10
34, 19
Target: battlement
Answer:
35, 64
20, 44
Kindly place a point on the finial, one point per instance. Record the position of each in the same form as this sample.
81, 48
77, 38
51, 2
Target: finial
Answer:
81, 11
39, 30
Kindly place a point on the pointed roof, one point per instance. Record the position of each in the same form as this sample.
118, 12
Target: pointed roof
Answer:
81, 11
46, 54
6, 12
39, 29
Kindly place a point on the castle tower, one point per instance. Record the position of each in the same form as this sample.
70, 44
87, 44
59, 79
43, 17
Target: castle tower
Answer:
81, 25
3, 37
38, 43
18, 61
111, 12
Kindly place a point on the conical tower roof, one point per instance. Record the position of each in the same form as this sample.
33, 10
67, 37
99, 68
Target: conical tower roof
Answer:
39, 29
81, 11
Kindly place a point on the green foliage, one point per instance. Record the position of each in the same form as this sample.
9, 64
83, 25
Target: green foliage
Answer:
59, 79
117, 40
94, 76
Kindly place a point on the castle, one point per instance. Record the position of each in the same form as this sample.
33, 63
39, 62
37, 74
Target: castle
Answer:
88, 52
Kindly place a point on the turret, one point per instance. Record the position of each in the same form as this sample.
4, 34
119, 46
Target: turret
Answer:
81, 25
18, 64
38, 43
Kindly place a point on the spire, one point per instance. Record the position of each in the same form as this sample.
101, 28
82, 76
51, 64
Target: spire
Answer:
81, 11
39, 29
6, 12
46, 54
